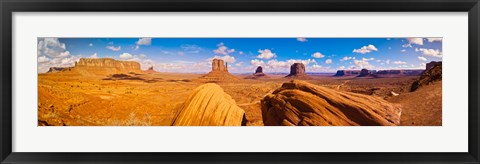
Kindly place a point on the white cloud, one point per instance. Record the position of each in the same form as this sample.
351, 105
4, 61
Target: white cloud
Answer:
125, 56
399, 62
43, 59
175, 66
284, 66
318, 55
368, 59
144, 41
256, 62
266, 54
434, 39
417, 41
328, 61
365, 49
363, 63
53, 53
347, 58
430, 52
226, 58
422, 58
302, 39
240, 52
404, 50
341, 67
406, 45
191, 48
222, 49
113, 48
90, 45
387, 61
319, 68
239, 64
64, 54
50, 47
94, 56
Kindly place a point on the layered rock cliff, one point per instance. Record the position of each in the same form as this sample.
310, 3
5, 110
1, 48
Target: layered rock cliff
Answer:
432, 74
106, 66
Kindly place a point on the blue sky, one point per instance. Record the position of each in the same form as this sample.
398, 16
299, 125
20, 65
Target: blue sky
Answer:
245, 54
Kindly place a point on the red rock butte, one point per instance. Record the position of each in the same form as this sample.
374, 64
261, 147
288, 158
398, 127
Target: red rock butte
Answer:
150, 70
297, 71
219, 73
258, 74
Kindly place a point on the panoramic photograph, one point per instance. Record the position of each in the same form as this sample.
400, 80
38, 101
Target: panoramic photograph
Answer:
239, 81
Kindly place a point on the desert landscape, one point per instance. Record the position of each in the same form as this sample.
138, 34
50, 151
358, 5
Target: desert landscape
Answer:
105, 92
111, 92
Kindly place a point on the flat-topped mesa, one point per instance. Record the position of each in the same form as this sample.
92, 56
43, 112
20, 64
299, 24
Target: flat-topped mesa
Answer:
219, 73
297, 70
108, 63
347, 72
106, 66
379, 73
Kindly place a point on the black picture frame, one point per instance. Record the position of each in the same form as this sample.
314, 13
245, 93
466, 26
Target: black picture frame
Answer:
7, 7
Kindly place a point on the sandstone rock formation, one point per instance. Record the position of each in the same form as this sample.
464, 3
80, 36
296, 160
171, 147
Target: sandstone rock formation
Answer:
364, 72
209, 105
258, 74
219, 65
219, 73
340, 73
432, 64
347, 72
58, 69
150, 70
379, 73
297, 71
432, 74
259, 70
302, 103
105, 66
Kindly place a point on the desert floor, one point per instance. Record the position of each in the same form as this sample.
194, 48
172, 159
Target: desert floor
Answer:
153, 99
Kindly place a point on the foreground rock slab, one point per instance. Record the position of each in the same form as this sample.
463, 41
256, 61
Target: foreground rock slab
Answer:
209, 105
301, 103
